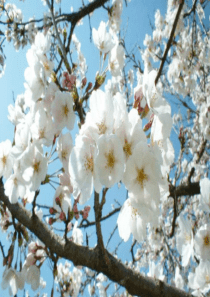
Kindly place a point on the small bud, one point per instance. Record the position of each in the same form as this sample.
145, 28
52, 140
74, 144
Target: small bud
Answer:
84, 81
53, 77
64, 33
87, 208
51, 221
62, 216
25, 234
60, 52
46, 180
58, 201
5, 261
89, 86
52, 211
71, 215
148, 125
99, 81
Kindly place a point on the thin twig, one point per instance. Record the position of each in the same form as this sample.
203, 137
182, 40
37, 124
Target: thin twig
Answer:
169, 41
58, 37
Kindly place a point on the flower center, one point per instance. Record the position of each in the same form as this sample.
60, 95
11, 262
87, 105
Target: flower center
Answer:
134, 212
102, 45
61, 196
4, 160
65, 110
207, 278
127, 148
102, 128
141, 177
15, 181
64, 154
36, 166
206, 240
110, 159
46, 66
112, 65
41, 134
187, 237
89, 165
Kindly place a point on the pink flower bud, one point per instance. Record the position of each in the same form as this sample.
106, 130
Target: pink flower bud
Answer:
77, 216
52, 210
75, 209
84, 81
51, 221
62, 216
87, 208
89, 86
148, 125
85, 215
57, 201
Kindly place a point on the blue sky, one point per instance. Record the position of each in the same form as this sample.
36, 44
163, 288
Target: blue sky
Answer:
135, 22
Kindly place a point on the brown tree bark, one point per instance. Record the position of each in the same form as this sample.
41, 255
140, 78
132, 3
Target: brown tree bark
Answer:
134, 282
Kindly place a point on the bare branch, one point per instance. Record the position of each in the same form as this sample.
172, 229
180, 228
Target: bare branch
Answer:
191, 10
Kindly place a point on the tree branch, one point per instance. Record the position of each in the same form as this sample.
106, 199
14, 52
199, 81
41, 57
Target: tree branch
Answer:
77, 16
191, 10
190, 189
169, 41
134, 283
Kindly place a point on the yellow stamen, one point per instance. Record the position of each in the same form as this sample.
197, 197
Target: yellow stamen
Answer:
206, 240
64, 154
46, 66
127, 148
187, 237
102, 128
4, 160
65, 110
36, 166
141, 177
41, 134
207, 278
89, 165
110, 159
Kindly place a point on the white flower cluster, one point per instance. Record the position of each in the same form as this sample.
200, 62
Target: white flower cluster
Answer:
17, 32
30, 273
112, 147
68, 281
42, 112
188, 61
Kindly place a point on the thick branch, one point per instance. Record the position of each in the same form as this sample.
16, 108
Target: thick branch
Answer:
86, 10
190, 189
134, 283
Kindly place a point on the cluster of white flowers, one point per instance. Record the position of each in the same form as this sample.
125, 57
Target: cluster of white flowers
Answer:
40, 114
30, 272
185, 77
68, 281
18, 32
113, 147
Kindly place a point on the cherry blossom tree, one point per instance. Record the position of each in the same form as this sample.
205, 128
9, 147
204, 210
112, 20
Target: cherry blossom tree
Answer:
123, 122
